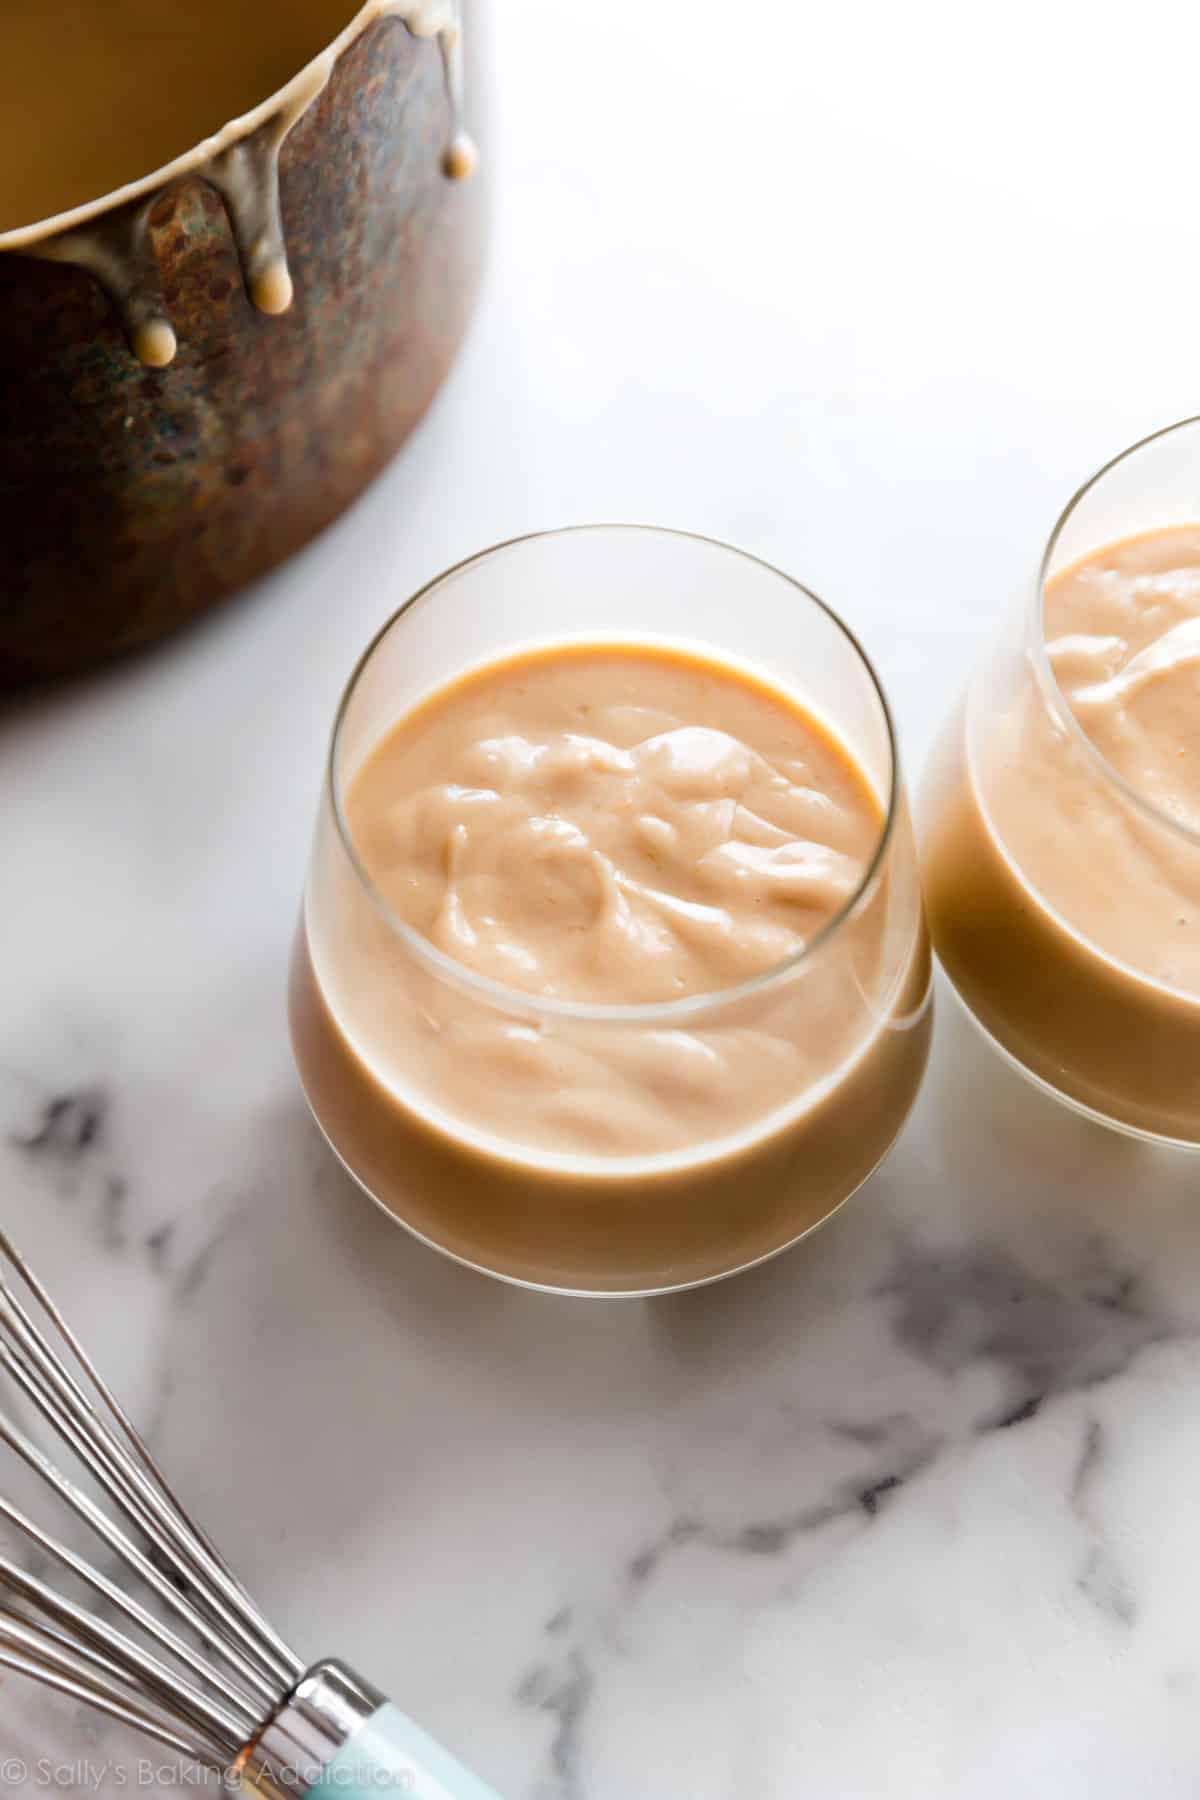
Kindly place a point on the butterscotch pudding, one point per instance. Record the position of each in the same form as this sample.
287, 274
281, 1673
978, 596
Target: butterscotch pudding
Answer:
93, 98
1061, 817
126, 100
612, 974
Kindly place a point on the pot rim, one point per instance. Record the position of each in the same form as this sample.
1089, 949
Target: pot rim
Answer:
288, 104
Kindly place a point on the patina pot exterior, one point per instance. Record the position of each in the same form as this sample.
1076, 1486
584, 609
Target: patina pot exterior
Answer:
133, 499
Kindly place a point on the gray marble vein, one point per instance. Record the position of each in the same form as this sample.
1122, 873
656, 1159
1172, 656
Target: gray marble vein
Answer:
910, 1512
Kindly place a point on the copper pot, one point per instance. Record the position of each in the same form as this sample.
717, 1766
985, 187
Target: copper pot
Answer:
133, 498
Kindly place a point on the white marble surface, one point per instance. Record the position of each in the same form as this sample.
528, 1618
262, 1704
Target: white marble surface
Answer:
867, 289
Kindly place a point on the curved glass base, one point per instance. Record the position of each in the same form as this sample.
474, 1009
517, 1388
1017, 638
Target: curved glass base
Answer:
577, 1293
1056, 1093
620, 1235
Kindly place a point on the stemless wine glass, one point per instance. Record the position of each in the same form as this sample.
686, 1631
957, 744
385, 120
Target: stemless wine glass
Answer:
1064, 903
840, 1030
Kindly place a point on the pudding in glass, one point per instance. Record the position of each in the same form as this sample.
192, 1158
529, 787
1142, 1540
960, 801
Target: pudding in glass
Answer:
612, 975
1061, 814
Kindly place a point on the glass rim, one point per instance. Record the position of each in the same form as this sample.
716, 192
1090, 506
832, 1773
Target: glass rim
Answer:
499, 994
1047, 679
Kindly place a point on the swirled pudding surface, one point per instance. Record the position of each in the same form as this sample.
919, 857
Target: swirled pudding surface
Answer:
1065, 909
1122, 632
619, 826
610, 824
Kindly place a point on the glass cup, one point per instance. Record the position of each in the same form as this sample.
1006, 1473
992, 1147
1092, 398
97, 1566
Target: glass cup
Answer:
1064, 904
841, 1029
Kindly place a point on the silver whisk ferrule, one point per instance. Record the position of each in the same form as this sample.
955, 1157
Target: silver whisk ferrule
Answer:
199, 1670
306, 1733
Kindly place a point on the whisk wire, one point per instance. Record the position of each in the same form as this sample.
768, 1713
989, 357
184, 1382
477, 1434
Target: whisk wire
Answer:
56, 1675
37, 1637
148, 1572
124, 1604
284, 1664
130, 1659
56, 1649
229, 1695
67, 1409
87, 1443
225, 1669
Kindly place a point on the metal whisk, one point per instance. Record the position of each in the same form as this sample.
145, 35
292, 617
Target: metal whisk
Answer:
217, 1684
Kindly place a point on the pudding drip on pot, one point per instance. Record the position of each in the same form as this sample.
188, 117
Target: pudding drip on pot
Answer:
110, 236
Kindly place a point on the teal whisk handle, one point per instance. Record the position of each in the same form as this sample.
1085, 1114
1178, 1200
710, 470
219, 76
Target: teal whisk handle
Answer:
335, 1738
389, 1755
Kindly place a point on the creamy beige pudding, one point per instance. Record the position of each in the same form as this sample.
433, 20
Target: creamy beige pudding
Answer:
621, 826
1062, 865
95, 96
104, 106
